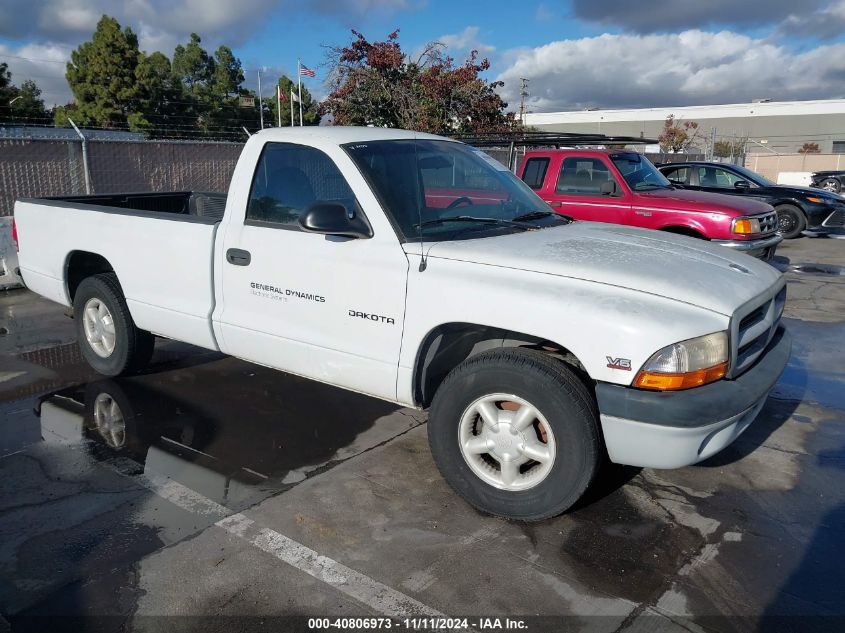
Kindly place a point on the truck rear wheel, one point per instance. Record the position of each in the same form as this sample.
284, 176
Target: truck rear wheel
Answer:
108, 337
515, 433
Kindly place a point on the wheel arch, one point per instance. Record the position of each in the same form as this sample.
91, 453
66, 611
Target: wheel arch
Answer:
449, 344
789, 202
679, 229
82, 264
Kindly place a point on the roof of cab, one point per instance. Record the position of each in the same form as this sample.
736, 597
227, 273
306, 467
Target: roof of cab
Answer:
340, 134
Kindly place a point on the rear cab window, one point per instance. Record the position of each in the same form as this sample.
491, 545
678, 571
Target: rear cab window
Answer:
534, 172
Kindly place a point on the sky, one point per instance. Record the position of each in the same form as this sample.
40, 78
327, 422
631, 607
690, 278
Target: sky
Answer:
577, 54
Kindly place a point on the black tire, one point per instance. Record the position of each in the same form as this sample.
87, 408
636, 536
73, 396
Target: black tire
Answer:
551, 388
791, 221
831, 184
133, 347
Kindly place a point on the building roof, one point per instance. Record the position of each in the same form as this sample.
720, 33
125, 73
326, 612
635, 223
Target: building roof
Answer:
729, 110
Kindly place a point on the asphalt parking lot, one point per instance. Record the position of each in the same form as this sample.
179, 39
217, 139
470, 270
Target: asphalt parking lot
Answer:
212, 487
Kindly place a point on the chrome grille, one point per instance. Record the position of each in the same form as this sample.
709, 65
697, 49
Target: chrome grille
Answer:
768, 222
753, 327
835, 219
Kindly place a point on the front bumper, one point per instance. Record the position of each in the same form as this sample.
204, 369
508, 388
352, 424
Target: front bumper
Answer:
764, 248
671, 429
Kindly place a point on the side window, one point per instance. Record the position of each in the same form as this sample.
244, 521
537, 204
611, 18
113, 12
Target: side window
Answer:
534, 173
677, 175
583, 176
718, 178
290, 178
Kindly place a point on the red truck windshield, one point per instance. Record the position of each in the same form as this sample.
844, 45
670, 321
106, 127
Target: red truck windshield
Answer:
638, 172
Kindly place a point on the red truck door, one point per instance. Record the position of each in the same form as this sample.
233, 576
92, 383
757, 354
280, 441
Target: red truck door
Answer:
581, 187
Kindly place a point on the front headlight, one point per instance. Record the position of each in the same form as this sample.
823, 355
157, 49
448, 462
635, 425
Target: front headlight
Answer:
690, 363
745, 226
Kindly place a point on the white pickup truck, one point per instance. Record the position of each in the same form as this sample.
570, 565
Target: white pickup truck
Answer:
419, 270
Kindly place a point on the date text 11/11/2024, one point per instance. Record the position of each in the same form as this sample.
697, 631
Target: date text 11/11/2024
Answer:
419, 624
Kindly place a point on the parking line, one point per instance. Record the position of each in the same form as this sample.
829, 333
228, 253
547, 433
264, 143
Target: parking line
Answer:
370, 592
378, 596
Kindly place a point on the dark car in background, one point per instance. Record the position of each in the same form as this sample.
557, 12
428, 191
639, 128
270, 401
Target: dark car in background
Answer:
798, 208
833, 181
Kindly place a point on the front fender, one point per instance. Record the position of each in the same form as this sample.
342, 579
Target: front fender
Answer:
601, 324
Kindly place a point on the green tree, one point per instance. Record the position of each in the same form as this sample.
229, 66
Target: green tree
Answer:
310, 108
726, 149
194, 67
5, 85
29, 105
101, 74
21, 104
162, 102
227, 75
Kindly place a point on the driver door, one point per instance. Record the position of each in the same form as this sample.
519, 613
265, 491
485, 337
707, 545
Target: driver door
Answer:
326, 307
578, 191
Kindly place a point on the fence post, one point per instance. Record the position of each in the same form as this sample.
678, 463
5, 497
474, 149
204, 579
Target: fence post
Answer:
84, 157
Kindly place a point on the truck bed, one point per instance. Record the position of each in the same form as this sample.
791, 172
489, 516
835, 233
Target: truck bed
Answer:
160, 246
189, 206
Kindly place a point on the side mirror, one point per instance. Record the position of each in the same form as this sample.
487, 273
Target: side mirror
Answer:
608, 188
742, 184
332, 218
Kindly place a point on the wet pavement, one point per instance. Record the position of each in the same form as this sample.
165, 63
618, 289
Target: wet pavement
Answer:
212, 487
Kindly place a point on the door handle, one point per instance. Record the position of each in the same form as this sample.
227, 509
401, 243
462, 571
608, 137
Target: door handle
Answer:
238, 257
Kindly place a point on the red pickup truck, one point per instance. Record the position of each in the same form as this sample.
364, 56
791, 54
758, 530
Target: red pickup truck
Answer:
623, 187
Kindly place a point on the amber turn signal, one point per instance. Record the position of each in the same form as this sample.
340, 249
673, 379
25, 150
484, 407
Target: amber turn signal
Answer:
673, 382
743, 227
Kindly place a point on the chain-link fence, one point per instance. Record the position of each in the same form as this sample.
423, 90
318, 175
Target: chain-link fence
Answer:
33, 168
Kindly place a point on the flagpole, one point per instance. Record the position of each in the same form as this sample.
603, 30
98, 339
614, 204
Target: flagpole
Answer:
299, 77
260, 105
291, 105
279, 102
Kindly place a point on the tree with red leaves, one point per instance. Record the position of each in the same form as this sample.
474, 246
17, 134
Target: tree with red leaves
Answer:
677, 136
375, 83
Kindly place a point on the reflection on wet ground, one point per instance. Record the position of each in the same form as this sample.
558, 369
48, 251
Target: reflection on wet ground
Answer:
75, 493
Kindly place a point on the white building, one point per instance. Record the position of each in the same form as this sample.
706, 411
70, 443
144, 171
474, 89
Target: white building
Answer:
777, 126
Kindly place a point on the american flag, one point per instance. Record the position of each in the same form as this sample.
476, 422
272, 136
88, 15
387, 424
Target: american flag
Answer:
304, 71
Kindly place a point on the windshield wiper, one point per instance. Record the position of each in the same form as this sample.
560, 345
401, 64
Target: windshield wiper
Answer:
538, 215
470, 218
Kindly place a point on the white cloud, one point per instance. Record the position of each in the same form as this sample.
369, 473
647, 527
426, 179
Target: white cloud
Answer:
44, 64
687, 68
460, 44
650, 16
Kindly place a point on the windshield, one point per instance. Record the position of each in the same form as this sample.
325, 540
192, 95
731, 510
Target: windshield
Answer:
638, 172
443, 190
752, 176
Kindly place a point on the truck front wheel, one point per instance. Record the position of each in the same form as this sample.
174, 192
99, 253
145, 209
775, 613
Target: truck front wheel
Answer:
108, 337
515, 433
